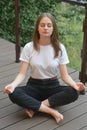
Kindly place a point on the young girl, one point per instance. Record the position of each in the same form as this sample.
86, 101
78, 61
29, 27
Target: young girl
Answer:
43, 56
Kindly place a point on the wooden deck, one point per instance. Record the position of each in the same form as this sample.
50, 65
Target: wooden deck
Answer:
12, 117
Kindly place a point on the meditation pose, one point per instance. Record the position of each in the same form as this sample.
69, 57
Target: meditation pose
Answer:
44, 56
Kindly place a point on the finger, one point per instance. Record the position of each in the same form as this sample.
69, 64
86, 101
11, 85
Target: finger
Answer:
82, 88
7, 91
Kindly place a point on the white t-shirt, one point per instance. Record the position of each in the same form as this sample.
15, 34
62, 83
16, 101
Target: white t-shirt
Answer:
42, 64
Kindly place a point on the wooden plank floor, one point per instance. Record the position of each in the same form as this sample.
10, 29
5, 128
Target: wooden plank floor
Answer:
12, 117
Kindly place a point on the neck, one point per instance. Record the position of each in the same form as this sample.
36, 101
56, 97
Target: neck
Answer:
44, 41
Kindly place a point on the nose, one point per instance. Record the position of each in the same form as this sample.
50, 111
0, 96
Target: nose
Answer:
45, 27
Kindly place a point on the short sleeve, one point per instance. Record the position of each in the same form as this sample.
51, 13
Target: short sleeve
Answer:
63, 57
25, 56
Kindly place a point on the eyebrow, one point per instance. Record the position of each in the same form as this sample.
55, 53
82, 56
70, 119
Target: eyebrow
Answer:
45, 23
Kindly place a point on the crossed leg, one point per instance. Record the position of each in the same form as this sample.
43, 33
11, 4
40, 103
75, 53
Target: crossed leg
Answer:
45, 107
31, 113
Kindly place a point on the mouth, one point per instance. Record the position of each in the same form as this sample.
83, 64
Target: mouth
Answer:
45, 32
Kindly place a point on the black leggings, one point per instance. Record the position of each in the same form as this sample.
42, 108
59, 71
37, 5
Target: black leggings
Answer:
31, 95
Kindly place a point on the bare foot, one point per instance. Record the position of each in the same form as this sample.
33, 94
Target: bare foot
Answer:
57, 116
30, 113
54, 113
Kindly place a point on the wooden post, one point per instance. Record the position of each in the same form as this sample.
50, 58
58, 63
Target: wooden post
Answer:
17, 29
83, 73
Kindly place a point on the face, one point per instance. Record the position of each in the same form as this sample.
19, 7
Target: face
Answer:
45, 27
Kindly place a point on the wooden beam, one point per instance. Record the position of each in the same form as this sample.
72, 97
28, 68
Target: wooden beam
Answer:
17, 29
76, 2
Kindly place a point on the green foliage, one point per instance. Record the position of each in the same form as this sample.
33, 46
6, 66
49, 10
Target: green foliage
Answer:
70, 24
7, 23
29, 10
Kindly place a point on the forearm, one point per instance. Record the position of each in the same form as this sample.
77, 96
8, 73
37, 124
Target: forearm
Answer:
68, 80
79, 86
18, 80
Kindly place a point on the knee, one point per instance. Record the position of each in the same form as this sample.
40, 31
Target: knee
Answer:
14, 95
74, 94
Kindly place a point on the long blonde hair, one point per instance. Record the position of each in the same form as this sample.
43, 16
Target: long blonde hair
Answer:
54, 37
